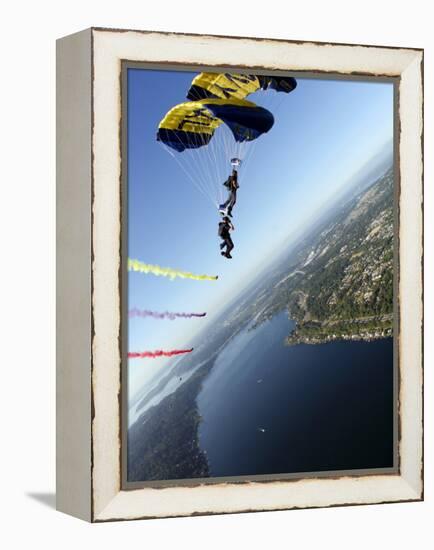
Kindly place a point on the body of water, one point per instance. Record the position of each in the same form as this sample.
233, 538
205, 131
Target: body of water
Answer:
272, 409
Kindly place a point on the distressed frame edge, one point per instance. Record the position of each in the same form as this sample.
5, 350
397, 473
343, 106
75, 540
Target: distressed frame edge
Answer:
73, 275
411, 254
409, 490
253, 38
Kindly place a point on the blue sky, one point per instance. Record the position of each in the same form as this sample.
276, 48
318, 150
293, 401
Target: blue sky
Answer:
324, 131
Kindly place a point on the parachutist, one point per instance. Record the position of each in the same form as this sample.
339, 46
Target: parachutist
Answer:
225, 227
232, 184
218, 118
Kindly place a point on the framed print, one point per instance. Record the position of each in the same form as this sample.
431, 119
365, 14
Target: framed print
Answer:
239, 274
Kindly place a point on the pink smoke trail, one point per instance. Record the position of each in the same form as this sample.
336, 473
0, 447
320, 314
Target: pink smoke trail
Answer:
162, 315
157, 353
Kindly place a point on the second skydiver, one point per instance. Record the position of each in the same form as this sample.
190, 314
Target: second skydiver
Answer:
225, 227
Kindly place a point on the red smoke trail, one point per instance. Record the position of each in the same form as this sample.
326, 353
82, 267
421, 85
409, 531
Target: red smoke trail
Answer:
162, 315
157, 353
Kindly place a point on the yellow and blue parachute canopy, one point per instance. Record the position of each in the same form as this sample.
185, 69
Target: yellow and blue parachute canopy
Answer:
192, 124
236, 86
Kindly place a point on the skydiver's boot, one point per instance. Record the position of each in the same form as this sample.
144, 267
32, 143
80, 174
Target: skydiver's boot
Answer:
228, 255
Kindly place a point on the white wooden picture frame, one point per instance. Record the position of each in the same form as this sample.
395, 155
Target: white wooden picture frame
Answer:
89, 351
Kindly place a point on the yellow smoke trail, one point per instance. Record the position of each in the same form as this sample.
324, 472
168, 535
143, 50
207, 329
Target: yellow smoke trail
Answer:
136, 265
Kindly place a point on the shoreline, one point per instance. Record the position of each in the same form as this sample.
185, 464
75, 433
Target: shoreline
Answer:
295, 339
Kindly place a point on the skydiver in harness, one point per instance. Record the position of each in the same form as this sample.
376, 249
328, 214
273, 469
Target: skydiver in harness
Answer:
225, 227
232, 185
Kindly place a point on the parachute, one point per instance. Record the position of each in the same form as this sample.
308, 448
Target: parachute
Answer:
191, 125
228, 86
218, 126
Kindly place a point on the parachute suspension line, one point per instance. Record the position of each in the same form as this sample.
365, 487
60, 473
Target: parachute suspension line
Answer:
219, 182
213, 164
187, 162
208, 165
220, 148
229, 148
230, 143
246, 152
249, 154
243, 149
202, 156
190, 156
193, 156
209, 162
198, 187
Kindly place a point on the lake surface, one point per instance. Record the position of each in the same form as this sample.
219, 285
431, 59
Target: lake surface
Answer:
270, 409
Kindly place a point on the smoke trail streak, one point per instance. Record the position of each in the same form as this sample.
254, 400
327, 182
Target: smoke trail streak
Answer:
136, 265
157, 353
162, 315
